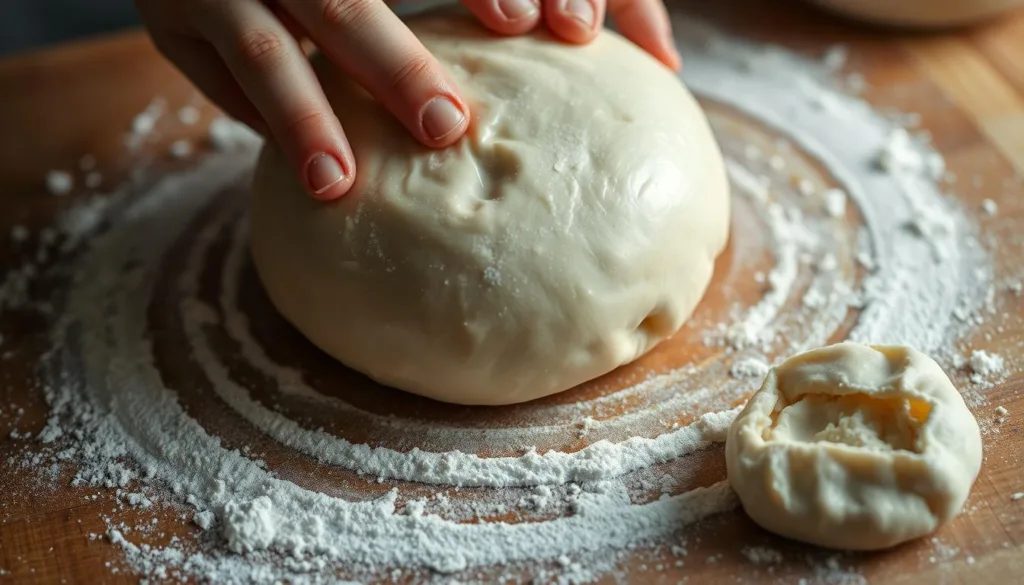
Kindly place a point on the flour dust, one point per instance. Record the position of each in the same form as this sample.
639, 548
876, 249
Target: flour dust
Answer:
869, 249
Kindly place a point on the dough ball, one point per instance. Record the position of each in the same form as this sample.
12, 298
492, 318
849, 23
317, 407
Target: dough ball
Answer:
854, 447
922, 13
573, 228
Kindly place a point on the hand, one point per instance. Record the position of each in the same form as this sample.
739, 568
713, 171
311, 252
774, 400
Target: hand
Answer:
645, 22
246, 57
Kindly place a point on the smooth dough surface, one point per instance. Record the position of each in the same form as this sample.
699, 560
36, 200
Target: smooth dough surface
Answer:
855, 447
573, 228
923, 13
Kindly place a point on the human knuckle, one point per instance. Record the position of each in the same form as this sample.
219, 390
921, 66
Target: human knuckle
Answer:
415, 68
261, 48
347, 13
306, 120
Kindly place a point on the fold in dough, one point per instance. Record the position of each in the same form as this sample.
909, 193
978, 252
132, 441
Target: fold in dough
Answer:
855, 447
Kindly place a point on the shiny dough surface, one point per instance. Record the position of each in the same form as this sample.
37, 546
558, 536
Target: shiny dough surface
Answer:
571, 230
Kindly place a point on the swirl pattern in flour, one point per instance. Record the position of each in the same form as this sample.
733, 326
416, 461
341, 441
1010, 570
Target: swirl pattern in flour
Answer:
175, 371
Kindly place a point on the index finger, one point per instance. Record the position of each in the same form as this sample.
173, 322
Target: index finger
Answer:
368, 41
274, 73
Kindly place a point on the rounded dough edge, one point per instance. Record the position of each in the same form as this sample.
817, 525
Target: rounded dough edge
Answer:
588, 263
851, 497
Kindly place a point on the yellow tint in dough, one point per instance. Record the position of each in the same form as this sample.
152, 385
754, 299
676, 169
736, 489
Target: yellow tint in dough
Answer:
922, 13
573, 229
854, 447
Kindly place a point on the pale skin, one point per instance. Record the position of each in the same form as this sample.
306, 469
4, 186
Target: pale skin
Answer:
246, 56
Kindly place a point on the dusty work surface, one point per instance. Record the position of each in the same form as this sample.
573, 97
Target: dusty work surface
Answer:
158, 327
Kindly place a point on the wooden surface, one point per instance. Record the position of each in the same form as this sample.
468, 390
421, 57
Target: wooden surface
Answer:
968, 86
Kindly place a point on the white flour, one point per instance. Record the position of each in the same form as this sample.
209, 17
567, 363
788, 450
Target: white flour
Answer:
122, 425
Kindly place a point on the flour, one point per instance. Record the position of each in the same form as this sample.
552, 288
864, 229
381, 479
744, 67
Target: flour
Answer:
144, 124
59, 182
178, 248
918, 275
751, 367
899, 154
226, 134
188, 115
760, 555
985, 365
835, 57
180, 149
835, 202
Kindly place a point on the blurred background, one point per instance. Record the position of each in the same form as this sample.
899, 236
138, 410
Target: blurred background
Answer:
29, 24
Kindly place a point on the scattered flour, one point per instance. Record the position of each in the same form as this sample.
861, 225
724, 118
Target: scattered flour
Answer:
1001, 414
985, 365
918, 276
942, 552
122, 426
59, 182
749, 368
144, 124
188, 115
835, 202
835, 57
900, 154
227, 134
760, 555
181, 149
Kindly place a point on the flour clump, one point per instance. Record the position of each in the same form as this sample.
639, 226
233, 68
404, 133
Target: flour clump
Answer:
571, 230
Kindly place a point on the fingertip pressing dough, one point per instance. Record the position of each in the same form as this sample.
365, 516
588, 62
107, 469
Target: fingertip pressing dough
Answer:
574, 227
854, 447
922, 13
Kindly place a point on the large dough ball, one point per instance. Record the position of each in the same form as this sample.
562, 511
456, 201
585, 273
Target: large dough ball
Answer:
855, 447
572, 229
922, 13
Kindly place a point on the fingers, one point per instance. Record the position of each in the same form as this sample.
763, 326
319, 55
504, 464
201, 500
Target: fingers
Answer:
507, 17
369, 42
274, 74
576, 21
646, 23
200, 62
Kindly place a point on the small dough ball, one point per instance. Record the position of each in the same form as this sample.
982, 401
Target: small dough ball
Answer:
574, 227
854, 447
922, 13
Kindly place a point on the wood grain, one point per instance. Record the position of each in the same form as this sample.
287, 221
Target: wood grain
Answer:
968, 86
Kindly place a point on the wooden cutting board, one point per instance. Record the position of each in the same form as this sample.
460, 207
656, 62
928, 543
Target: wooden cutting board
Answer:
968, 86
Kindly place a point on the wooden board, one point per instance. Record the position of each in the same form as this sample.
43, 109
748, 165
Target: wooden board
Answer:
968, 86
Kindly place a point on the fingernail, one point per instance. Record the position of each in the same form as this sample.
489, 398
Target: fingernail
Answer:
441, 117
677, 59
514, 10
323, 172
582, 11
